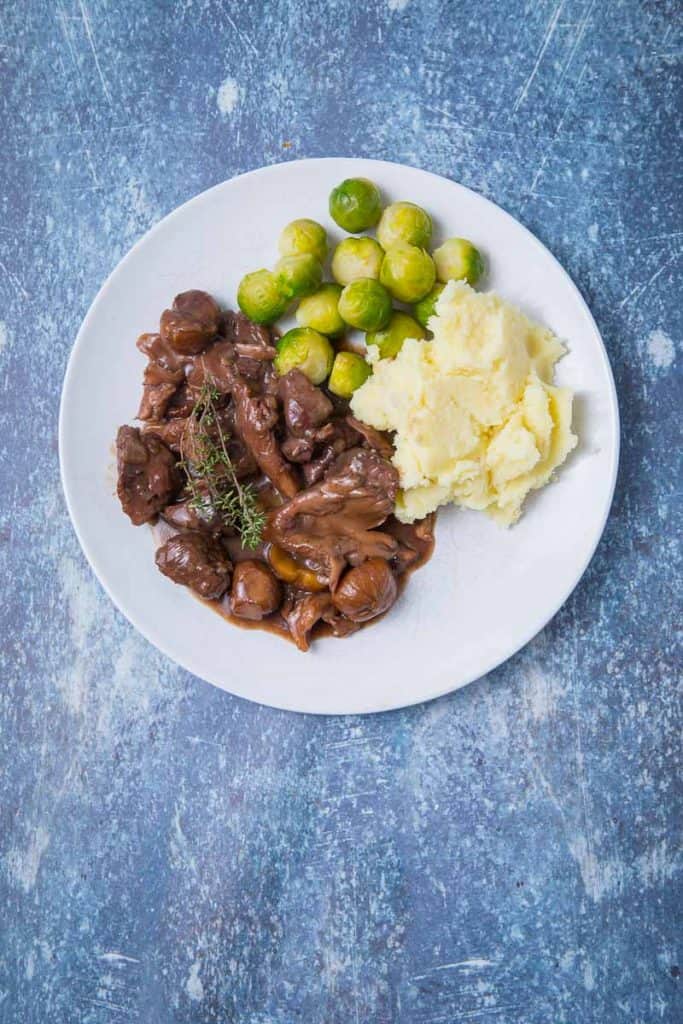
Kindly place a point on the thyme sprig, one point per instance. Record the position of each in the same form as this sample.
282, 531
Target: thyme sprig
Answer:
211, 478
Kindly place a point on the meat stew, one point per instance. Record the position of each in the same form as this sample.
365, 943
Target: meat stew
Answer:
269, 500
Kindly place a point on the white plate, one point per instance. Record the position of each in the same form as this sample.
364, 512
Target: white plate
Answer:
486, 591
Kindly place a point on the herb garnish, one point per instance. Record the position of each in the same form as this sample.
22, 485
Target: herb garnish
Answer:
211, 478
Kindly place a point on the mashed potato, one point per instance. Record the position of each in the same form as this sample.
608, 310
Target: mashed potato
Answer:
476, 419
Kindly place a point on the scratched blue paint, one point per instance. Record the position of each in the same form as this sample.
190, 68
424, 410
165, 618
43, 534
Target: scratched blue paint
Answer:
172, 855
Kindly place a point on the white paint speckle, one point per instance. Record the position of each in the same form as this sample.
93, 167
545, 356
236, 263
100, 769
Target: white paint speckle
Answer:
541, 692
599, 877
4, 337
228, 96
116, 958
30, 966
656, 865
588, 977
397, 5
193, 985
584, 174
593, 232
660, 348
24, 864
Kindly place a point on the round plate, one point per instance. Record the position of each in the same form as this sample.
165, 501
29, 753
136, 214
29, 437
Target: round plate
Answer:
485, 593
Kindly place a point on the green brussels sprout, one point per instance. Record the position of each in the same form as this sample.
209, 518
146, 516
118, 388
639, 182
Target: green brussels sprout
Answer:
365, 304
321, 310
299, 275
355, 205
457, 259
405, 222
356, 257
408, 272
426, 307
304, 236
307, 350
260, 297
389, 340
348, 373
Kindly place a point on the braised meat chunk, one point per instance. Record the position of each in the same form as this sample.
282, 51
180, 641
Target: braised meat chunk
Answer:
148, 476
272, 502
198, 561
191, 323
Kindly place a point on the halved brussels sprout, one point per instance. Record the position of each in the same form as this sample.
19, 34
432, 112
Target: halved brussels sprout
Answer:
458, 259
356, 257
389, 341
348, 373
307, 350
355, 205
261, 297
365, 304
321, 310
404, 222
408, 272
299, 275
304, 236
426, 307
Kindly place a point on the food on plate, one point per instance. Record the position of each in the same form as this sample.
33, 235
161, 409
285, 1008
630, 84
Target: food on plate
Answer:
256, 591
356, 257
389, 340
475, 417
260, 296
349, 371
304, 236
404, 222
267, 498
365, 304
307, 350
457, 259
408, 272
366, 591
355, 205
299, 275
321, 311
292, 481
425, 308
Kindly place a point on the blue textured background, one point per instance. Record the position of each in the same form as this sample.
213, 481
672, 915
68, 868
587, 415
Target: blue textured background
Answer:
508, 854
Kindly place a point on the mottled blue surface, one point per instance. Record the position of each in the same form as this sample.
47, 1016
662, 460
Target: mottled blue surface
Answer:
172, 855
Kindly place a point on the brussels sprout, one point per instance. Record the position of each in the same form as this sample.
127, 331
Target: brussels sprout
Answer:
348, 373
260, 297
405, 222
304, 236
389, 341
355, 205
426, 307
365, 304
299, 275
356, 257
321, 310
408, 272
307, 350
457, 259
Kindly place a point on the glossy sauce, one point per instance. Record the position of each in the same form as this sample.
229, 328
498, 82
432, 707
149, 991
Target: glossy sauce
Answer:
275, 623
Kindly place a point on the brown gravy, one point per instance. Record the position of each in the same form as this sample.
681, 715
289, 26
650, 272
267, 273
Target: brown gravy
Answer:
274, 623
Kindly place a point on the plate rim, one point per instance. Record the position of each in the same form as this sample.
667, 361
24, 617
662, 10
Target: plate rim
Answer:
440, 690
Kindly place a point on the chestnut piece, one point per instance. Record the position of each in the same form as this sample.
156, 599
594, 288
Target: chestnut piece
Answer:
366, 591
255, 591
